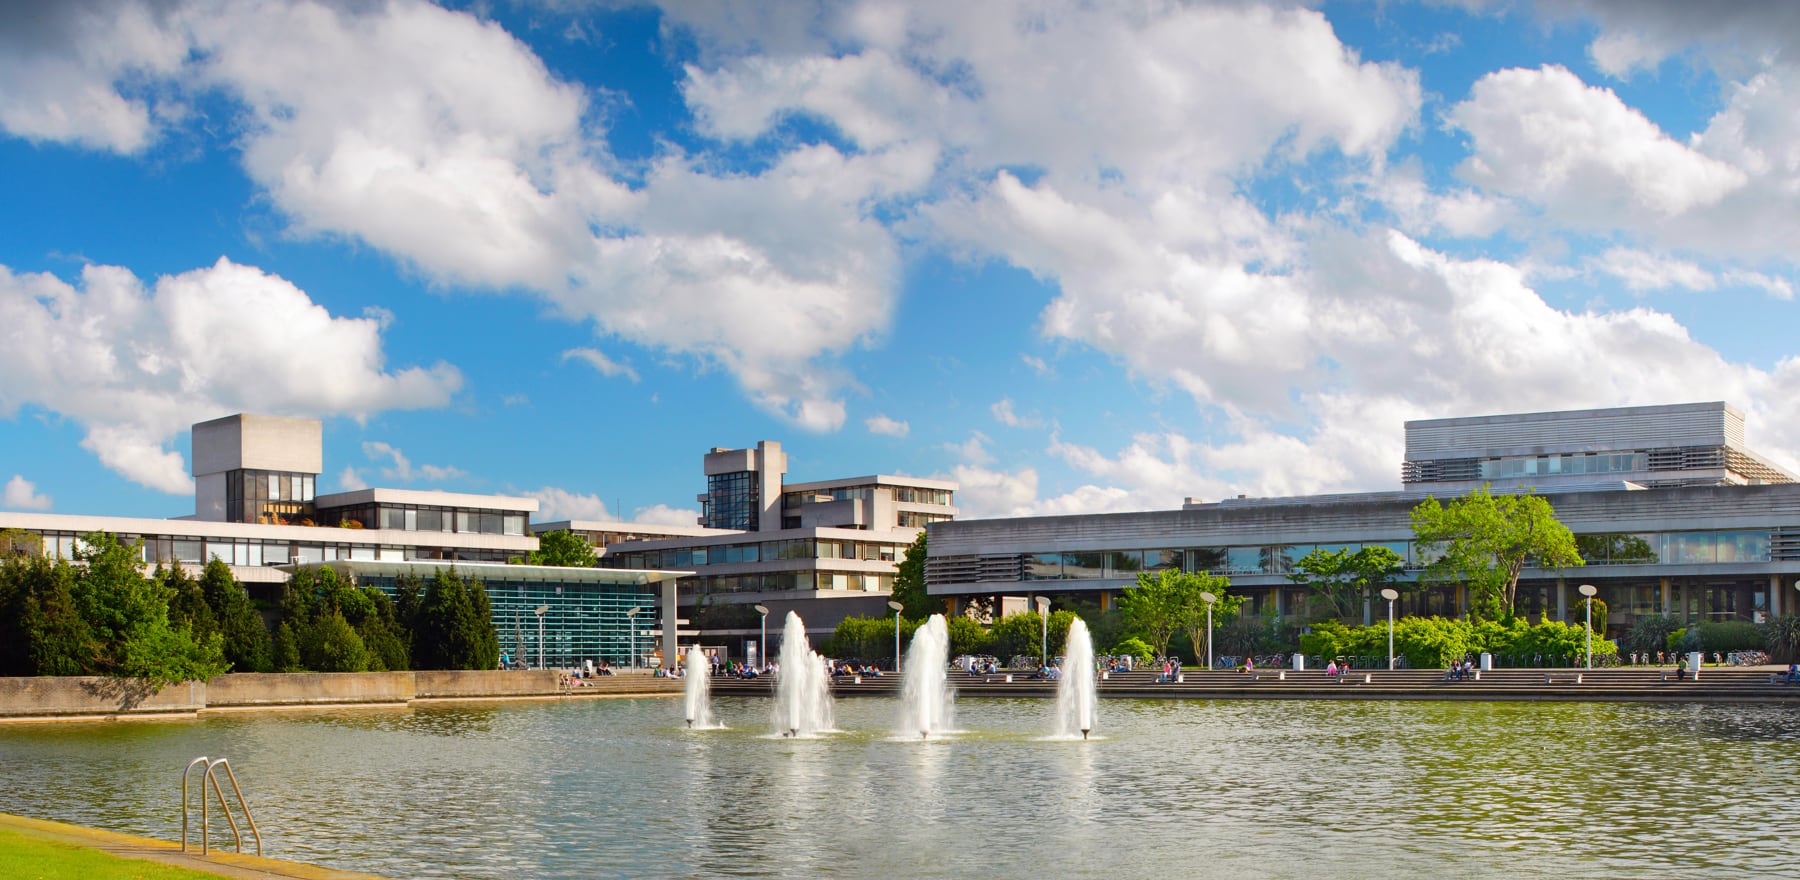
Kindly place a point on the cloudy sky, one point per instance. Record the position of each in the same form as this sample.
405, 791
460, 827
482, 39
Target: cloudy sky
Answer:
1078, 257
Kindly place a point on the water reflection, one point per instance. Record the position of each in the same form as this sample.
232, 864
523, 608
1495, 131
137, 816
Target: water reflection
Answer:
617, 788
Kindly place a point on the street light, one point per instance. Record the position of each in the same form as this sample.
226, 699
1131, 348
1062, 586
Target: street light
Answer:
1390, 594
1209, 599
897, 609
1043, 607
762, 646
1589, 590
631, 615
541, 611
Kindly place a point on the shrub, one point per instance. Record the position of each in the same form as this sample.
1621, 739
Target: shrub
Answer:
1137, 649
1726, 636
1781, 638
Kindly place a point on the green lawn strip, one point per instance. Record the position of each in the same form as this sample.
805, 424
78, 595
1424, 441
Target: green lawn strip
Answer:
23, 857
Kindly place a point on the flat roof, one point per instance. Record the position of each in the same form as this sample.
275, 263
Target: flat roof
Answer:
595, 525
560, 574
429, 497
872, 480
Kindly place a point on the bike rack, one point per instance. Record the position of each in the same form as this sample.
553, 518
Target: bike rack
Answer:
209, 775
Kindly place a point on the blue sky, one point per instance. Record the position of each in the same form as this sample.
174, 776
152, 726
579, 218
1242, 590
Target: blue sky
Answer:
1078, 257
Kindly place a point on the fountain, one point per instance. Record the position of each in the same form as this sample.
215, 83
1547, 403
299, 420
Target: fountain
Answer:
1075, 690
802, 686
925, 692
699, 687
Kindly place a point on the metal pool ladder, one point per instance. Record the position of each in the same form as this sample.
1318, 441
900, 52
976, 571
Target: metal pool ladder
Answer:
209, 775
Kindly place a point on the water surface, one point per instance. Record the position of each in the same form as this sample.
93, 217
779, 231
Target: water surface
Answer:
618, 788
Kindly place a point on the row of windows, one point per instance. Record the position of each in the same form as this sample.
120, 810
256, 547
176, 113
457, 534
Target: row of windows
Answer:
725, 554
267, 496
166, 550
909, 520
1648, 548
906, 494
1590, 463
416, 518
787, 581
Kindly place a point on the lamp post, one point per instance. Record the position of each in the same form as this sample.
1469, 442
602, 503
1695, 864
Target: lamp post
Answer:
897, 609
541, 611
1390, 594
1589, 590
631, 615
1043, 607
1209, 599
762, 645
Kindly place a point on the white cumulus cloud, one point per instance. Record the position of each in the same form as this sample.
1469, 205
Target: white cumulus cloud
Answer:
22, 494
881, 424
136, 366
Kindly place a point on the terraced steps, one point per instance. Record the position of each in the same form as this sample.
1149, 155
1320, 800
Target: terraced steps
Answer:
1638, 684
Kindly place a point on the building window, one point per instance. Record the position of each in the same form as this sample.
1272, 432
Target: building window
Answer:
731, 501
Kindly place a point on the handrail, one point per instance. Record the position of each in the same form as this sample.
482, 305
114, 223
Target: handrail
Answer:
210, 776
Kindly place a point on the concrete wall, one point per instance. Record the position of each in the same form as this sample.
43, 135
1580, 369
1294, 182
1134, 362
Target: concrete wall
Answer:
48, 698
448, 683
308, 688
94, 695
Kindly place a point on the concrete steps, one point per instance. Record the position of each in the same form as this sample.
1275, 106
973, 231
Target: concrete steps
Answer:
1638, 684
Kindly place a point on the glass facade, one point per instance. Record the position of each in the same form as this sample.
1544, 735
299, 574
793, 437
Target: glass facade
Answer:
421, 518
1581, 463
1646, 548
268, 497
732, 502
583, 621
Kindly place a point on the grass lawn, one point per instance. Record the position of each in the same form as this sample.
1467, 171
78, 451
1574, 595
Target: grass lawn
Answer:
28, 858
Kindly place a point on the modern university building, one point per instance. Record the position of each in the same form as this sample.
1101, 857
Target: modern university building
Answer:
255, 509
1672, 513
827, 549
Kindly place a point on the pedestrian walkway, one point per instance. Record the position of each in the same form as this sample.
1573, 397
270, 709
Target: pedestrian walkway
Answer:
218, 863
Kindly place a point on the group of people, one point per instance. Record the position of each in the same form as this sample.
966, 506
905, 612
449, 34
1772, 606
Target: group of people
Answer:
1171, 670
1461, 670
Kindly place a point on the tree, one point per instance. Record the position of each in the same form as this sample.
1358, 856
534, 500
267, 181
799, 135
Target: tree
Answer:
240, 625
967, 636
1484, 540
1155, 607
909, 581
1345, 579
329, 644
1024, 633
1599, 612
564, 548
41, 631
451, 625
127, 616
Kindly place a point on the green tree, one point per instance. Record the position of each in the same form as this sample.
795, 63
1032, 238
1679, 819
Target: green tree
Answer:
452, 625
1155, 607
1580, 612
909, 581
1484, 540
41, 630
1196, 620
1650, 633
564, 548
187, 605
967, 636
1344, 579
240, 625
127, 616
1781, 638
1023, 633
285, 649
329, 644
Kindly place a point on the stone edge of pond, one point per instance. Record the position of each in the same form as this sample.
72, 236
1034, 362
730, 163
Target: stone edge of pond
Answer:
218, 863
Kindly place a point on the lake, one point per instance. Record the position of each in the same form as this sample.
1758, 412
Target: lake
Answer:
1257, 788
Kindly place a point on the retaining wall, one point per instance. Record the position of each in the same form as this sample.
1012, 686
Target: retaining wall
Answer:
307, 688
95, 696
89, 695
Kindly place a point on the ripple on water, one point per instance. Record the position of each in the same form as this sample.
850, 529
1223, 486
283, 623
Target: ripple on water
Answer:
619, 788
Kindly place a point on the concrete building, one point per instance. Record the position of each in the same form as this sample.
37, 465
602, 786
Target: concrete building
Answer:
255, 509
826, 549
1656, 447
1694, 540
